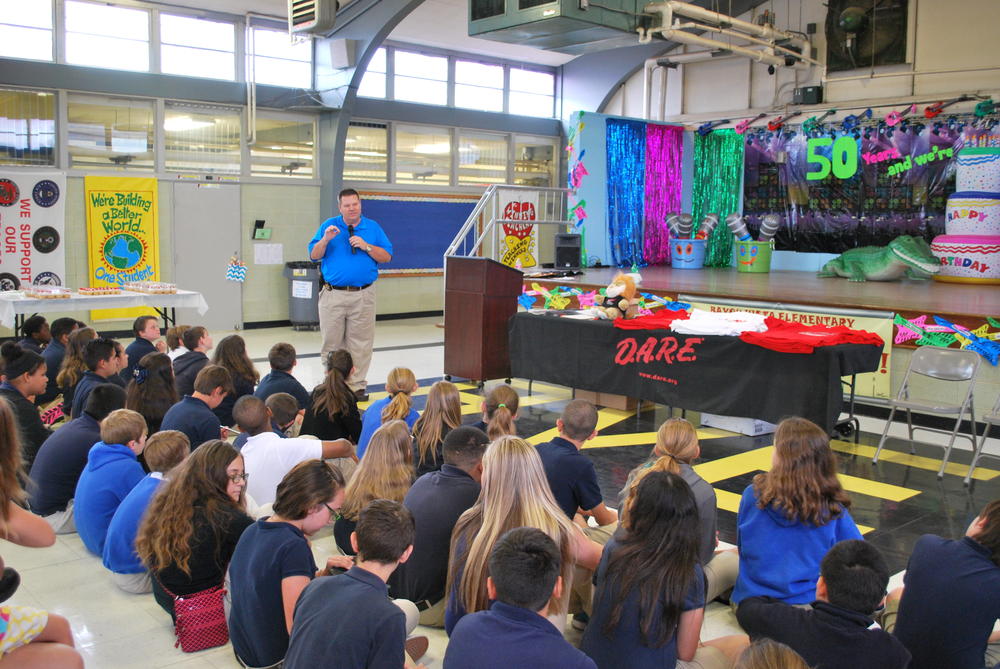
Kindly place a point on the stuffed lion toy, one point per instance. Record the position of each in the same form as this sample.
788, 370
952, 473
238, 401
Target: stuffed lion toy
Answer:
620, 298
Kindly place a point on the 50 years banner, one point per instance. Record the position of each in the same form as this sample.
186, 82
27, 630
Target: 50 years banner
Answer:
122, 235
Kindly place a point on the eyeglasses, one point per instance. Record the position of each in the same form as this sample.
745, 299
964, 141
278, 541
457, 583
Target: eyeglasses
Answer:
236, 478
333, 512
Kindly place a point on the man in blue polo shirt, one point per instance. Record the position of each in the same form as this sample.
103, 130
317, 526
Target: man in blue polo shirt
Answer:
349, 264
515, 632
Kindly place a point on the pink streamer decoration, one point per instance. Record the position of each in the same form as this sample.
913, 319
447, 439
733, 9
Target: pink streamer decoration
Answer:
663, 188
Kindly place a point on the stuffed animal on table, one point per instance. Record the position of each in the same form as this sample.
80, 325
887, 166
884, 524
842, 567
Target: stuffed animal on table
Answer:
620, 298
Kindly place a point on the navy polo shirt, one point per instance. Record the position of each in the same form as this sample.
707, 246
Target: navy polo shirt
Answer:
339, 266
58, 465
508, 636
571, 476
283, 382
436, 500
192, 417
53, 356
88, 382
347, 621
135, 351
266, 554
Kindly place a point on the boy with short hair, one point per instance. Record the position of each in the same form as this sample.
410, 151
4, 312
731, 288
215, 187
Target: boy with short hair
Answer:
193, 414
515, 631
147, 333
112, 471
186, 367
282, 358
285, 411
348, 620
175, 343
104, 359
54, 353
164, 451
838, 632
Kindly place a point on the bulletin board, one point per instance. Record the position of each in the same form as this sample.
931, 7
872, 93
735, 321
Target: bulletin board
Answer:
420, 229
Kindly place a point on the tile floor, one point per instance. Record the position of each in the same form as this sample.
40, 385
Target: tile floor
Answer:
897, 500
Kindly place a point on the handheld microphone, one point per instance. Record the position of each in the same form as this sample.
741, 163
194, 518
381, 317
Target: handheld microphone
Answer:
350, 232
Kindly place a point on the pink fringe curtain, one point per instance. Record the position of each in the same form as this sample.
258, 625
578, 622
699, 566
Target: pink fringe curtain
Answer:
664, 144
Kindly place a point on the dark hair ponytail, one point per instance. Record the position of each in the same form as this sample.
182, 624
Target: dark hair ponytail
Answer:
334, 397
18, 361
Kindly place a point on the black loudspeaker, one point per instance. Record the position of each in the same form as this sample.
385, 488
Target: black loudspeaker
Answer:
567, 251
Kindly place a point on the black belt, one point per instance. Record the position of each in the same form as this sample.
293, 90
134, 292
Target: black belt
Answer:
351, 289
424, 604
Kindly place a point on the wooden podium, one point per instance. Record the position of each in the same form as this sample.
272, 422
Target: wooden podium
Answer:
479, 299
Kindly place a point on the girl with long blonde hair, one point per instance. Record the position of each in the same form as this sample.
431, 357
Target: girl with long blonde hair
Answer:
499, 412
400, 385
442, 414
193, 523
73, 367
790, 516
515, 493
386, 472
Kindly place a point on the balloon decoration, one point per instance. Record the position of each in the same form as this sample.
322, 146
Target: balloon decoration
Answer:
718, 178
664, 145
626, 156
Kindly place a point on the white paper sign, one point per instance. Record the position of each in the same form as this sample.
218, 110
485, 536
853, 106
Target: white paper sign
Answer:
267, 254
303, 289
32, 229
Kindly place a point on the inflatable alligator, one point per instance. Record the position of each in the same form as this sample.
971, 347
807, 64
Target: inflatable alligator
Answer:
905, 255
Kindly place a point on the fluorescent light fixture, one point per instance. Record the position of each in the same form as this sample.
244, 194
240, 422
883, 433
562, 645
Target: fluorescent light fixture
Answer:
183, 123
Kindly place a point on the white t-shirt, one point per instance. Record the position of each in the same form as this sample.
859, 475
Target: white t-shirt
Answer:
267, 458
176, 353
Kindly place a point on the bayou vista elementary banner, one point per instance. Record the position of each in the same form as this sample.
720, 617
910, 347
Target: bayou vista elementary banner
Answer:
122, 235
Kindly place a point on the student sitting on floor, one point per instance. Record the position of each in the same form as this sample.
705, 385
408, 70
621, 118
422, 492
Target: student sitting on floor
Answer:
436, 500
790, 516
768, 654
442, 413
189, 533
193, 414
515, 632
268, 456
273, 562
175, 341
285, 412
198, 343
838, 631
73, 367
164, 451
282, 359
151, 390
62, 457
147, 340
397, 406
950, 600
499, 412
348, 620
54, 353
231, 353
333, 411
385, 473
104, 359
112, 471
649, 601
36, 334
24, 378
675, 449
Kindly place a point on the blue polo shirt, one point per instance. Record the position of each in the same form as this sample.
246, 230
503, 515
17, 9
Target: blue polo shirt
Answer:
88, 382
59, 463
192, 417
571, 476
53, 356
135, 352
339, 266
371, 421
508, 636
347, 621
283, 382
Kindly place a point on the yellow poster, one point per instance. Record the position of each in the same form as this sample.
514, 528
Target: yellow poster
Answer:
519, 247
122, 235
874, 384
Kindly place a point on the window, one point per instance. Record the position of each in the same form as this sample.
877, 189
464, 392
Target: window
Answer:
366, 152
27, 128
478, 86
423, 155
482, 159
26, 29
532, 93
106, 36
202, 139
110, 133
373, 80
280, 62
534, 161
197, 48
420, 78
284, 148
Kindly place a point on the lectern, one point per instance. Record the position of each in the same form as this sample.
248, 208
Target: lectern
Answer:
480, 297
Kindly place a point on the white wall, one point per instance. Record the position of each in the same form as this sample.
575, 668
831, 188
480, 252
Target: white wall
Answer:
944, 35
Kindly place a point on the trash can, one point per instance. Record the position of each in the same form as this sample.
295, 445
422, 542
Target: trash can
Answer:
303, 294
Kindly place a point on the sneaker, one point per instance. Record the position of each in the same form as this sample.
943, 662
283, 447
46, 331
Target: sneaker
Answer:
361, 395
580, 621
416, 646
8, 583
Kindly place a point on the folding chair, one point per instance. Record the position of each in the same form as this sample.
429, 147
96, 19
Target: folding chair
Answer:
991, 419
949, 366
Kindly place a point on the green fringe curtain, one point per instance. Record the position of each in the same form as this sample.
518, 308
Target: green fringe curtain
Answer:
717, 184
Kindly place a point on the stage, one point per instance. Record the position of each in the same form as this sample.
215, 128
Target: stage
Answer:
965, 304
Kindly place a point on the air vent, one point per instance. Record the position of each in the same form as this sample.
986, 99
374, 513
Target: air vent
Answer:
313, 17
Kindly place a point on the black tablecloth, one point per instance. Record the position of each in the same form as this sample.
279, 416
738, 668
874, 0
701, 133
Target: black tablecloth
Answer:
721, 375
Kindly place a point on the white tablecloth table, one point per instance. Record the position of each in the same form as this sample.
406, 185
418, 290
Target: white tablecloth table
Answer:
11, 306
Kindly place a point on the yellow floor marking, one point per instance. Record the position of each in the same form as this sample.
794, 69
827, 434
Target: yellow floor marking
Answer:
469, 407
730, 501
920, 462
546, 387
641, 438
605, 418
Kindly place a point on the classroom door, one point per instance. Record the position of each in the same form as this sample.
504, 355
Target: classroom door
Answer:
206, 234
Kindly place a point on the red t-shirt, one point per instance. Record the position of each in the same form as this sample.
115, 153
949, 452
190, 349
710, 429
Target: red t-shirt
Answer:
658, 320
788, 337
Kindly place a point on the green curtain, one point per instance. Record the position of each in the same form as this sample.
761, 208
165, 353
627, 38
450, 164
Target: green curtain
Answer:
717, 183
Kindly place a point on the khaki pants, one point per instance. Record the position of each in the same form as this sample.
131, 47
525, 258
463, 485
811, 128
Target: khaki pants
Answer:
706, 657
347, 320
434, 616
62, 522
720, 574
137, 584
582, 594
